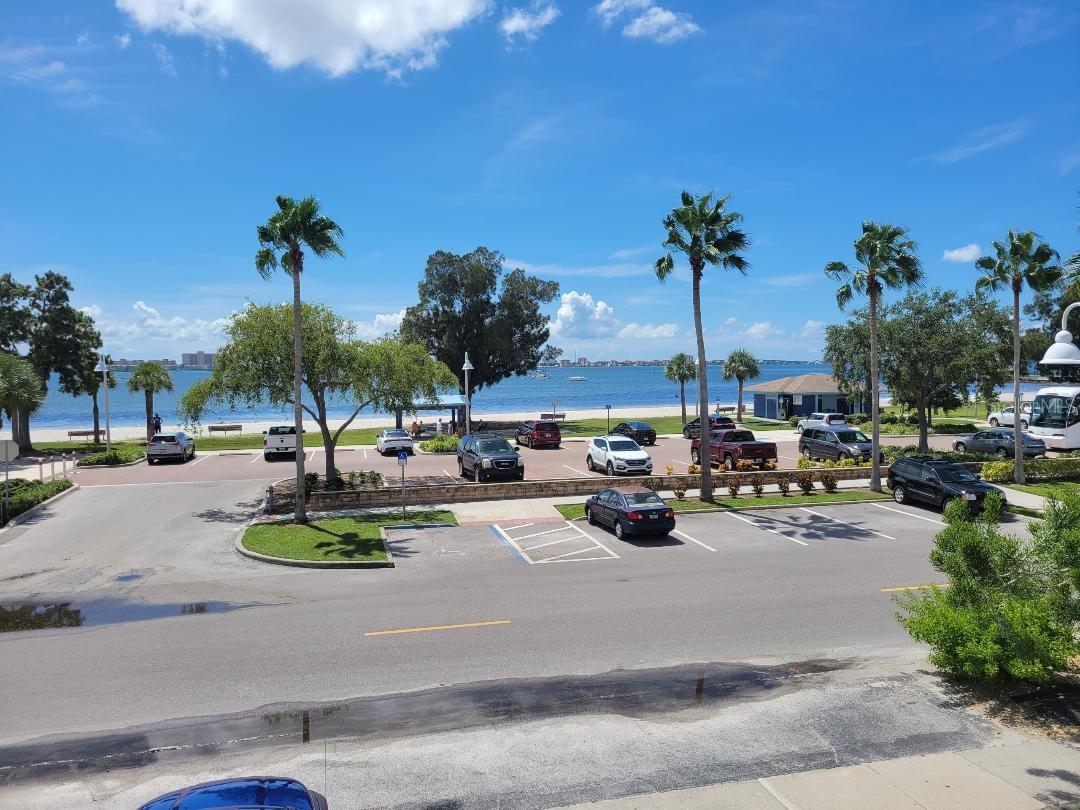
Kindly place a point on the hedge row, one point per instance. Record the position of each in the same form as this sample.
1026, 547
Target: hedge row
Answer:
1050, 469
892, 452
124, 454
24, 494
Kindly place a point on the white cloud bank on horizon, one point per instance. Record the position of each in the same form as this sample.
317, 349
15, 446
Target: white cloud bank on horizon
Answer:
582, 317
527, 23
381, 325
968, 253
336, 36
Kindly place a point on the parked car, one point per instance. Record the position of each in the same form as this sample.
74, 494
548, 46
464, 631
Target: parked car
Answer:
170, 446
279, 440
617, 455
248, 792
693, 427
729, 447
816, 419
630, 510
640, 432
835, 442
392, 441
1000, 442
538, 433
917, 478
483, 456
1005, 417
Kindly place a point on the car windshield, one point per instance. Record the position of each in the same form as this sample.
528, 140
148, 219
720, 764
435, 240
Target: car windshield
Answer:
397, 434
956, 475
1054, 411
625, 444
639, 426
643, 499
494, 446
283, 431
738, 436
164, 437
546, 426
851, 436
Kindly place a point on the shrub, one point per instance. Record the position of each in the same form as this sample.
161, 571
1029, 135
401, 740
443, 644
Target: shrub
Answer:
794, 421
846, 461
828, 480
757, 484
374, 479
783, 483
693, 469
858, 419
949, 428
351, 479
440, 444
733, 483
804, 463
912, 419
124, 454
744, 465
893, 452
24, 494
677, 488
804, 480
997, 472
770, 464
888, 419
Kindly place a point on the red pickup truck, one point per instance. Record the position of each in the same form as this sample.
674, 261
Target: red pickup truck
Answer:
729, 447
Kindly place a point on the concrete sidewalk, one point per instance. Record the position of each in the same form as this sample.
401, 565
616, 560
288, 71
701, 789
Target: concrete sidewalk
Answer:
1021, 498
1026, 773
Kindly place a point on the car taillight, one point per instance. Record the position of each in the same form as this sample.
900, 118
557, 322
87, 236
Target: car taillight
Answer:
634, 515
670, 513
264, 442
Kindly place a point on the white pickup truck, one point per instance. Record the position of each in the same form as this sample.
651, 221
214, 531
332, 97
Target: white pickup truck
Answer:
279, 440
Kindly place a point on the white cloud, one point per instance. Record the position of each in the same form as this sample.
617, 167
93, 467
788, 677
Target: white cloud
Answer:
165, 60
618, 270
528, 22
812, 329
981, 140
151, 325
82, 38
762, 329
29, 64
649, 331
382, 324
336, 36
93, 310
792, 280
122, 40
629, 253
579, 316
144, 310
648, 21
968, 253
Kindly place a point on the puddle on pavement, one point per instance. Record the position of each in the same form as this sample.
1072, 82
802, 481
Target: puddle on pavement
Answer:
128, 577
660, 695
21, 616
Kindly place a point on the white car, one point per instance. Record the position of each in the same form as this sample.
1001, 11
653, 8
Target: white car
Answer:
279, 440
1004, 417
615, 454
818, 419
170, 447
391, 441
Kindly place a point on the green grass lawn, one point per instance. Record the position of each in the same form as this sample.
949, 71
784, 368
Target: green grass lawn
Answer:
571, 511
234, 441
343, 539
1049, 489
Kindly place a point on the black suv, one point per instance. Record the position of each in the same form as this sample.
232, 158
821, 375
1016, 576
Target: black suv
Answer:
692, 429
917, 478
834, 442
640, 432
483, 456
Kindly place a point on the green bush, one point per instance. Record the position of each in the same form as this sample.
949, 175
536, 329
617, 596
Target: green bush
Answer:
440, 444
948, 428
1052, 469
124, 454
733, 483
804, 480
757, 484
888, 419
794, 421
893, 451
828, 480
783, 483
24, 494
997, 472
858, 419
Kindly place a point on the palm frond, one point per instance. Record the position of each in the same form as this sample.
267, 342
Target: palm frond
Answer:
844, 296
664, 267
266, 262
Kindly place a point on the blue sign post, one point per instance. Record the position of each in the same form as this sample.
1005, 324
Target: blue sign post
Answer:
402, 460
608, 418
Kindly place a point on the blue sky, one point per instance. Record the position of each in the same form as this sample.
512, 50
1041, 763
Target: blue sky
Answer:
144, 140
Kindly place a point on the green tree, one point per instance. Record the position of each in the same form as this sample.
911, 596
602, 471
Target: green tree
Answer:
150, 378
680, 369
253, 368
14, 314
988, 348
703, 230
21, 390
89, 380
886, 260
550, 355
742, 366
847, 351
463, 310
1024, 260
294, 226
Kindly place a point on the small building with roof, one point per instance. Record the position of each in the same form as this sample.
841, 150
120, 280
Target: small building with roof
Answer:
800, 395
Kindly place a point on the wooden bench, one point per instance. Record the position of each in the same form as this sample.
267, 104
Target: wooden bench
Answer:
85, 434
225, 428
553, 416
725, 409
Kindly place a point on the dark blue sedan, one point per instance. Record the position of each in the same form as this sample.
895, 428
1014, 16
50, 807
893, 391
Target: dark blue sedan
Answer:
630, 510
249, 793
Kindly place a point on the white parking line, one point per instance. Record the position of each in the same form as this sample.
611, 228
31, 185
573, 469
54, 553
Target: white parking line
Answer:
256, 458
590, 537
448, 475
199, 459
510, 540
519, 526
844, 522
684, 463
570, 554
365, 452
537, 534
552, 543
579, 472
685, 536
909, 514
765, 528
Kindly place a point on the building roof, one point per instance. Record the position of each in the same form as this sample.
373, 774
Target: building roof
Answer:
799, 384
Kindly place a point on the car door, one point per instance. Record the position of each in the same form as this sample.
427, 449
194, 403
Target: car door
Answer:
611, 508
600, 452
468, 454
925, 484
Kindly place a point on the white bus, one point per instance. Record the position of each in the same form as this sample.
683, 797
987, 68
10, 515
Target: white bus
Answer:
1055, 416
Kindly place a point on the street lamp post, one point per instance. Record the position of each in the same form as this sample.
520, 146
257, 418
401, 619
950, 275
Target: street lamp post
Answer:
103, 367
467, 367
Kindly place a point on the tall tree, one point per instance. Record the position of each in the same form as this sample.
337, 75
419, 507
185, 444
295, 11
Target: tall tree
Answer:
253, 367
702, 229
550, 355
462, 309
14, 313
1024, 260
21, 390
680, 369
294, 226
88, 380
742, 366
150, 378
847, 351
989, 347
886, 259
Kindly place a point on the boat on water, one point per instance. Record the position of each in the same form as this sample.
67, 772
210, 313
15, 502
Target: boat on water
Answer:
538, 375
578, 378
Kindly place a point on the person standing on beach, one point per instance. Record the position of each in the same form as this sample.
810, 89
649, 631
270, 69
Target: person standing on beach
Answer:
157, 423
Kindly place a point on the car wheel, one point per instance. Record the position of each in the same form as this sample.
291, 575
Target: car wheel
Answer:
960, 447
798, 428
729, 463
266, 456
589, 516
695, 456
806, 452
1003, 453
686, 434
460, 469
619, 529
994, 423
588, 463
610, 468
151, 460
476, 475
1023, 424
898, 494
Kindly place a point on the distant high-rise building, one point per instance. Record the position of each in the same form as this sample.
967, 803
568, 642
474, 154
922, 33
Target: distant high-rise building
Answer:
583, 361
564, 362
200, 358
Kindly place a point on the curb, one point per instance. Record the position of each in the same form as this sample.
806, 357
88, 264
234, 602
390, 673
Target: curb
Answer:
24, 516
109, 466
331, 564
750, 505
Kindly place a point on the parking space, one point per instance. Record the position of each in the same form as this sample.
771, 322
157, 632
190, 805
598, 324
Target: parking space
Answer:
538, 543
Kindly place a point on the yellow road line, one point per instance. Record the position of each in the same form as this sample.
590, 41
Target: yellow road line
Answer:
436, 627
916, 587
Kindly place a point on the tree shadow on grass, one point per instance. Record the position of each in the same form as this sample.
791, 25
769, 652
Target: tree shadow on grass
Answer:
349, 545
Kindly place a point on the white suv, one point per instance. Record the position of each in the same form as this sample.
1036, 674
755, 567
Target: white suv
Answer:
1004, 417
615, 454
818, 419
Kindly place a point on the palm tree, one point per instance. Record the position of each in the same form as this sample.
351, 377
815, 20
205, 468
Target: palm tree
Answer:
886, 259
705, 232
295, 225
1024, 260
741, 365
680, 369
150, 378
21, 390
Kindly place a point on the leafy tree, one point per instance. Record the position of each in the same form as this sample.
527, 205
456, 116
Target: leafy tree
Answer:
21, 390
294, 226
463, 310
253, 367
847, 351
680, 369
741, 365
550, 355
987, 348
1012, 605
702, 229
14, 313
1024, 260
150, 378
887, 259
89, 380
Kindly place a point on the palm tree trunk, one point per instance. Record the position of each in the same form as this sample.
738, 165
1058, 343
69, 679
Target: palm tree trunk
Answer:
682, 399
703, 393
298, 414
875, 409
738, 407
22, 436
148, 393
1018, 435
97, 417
